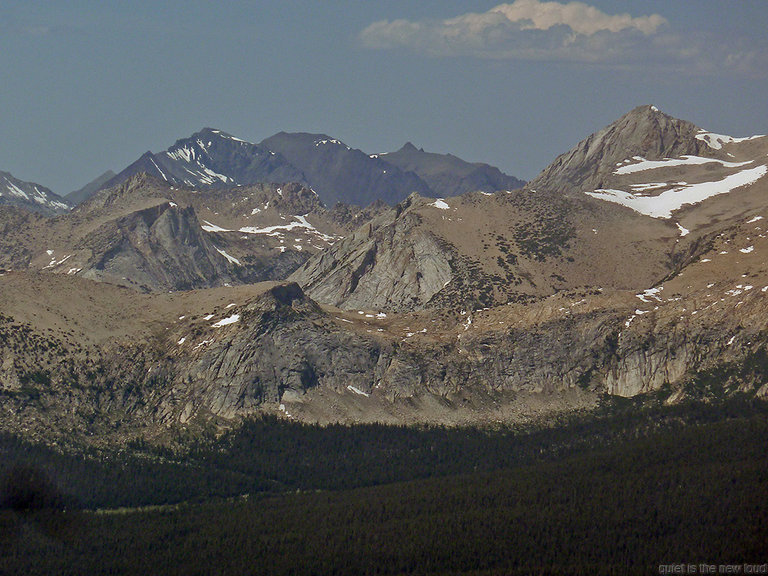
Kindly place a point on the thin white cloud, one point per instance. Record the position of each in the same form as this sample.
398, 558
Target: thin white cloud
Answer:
555, 31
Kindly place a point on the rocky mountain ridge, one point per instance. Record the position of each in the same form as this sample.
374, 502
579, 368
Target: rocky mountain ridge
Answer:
488, 249
509, 307
151, 236
343, 174
447, 175
645, 131
82, 194
212, 158
189, 358
484, 250
30, 196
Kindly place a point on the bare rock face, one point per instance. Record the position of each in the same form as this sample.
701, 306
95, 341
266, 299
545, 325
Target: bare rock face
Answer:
149, 235
283, 343
280, 347
162, 247
391, 263
645, 131
286, 349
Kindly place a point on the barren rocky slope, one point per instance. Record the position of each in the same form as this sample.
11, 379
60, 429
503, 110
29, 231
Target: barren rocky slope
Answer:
481, 250
483, 308
645, 131
117, 371
149, 235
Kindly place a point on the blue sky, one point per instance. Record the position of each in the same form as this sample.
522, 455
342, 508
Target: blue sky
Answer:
90, 86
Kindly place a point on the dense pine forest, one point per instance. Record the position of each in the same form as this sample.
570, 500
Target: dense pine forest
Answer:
622, 493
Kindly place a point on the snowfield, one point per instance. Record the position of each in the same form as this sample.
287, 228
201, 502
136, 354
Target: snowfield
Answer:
664, 204
226, 321
716, 141
644, 164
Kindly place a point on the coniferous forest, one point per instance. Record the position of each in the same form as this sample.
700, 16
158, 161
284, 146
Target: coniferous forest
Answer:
622, 493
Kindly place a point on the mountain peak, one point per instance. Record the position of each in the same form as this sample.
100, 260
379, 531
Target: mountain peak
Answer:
216, 133
212, 158
30, 196
644, 131
206, 137
645, 110
77, 196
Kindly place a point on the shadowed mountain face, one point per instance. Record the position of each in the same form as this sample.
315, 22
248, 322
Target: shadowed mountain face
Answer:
30, 196
341, 174
337, 173
446, 175
81, 195
212, 158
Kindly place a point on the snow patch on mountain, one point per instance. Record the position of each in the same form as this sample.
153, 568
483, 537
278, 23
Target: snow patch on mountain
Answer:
298, 223
226, 321
664, 204
716, 141
158, 169
644, 164
16, 191
229, 136
39, 198
208, 227
183, 153
357, 391
230, 259
331, 141
650, 293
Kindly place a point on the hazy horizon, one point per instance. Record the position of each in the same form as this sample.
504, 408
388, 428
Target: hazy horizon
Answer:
90, 87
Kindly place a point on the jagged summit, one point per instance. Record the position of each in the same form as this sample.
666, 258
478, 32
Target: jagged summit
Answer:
212, 158
447, 175
340, 173
136, 189
30, 196
644, 131
658, 166
409, 147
